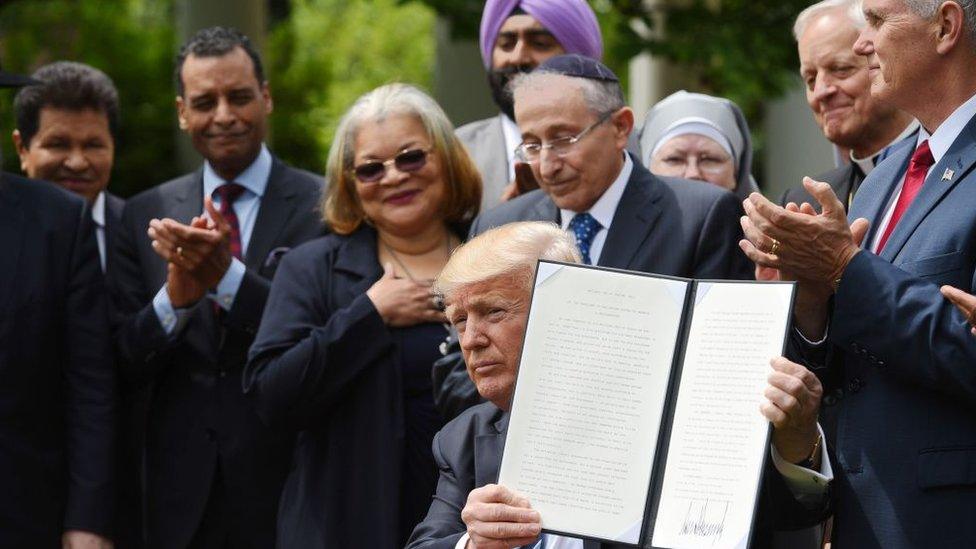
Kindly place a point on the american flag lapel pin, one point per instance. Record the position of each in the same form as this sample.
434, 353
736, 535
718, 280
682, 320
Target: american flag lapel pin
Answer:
947, 175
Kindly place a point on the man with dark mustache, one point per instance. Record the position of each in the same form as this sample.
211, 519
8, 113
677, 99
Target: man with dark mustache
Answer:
190, 296
516, 37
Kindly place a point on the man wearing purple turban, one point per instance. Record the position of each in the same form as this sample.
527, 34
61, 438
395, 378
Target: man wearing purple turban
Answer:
516, 36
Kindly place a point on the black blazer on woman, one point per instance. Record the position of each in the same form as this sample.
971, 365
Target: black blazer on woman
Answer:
325, 363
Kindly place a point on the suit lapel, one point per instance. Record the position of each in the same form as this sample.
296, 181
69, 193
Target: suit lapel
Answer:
11, 239
496, 164
357, 257
873, 194
488, 452
186, 201
634, 219
959, 158
113, 216
277, 204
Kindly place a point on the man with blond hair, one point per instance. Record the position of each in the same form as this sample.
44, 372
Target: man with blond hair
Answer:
487, 286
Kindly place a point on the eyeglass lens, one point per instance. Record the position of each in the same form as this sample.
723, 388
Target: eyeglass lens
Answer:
407, 161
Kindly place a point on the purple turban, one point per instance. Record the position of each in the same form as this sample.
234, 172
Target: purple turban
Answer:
572, 22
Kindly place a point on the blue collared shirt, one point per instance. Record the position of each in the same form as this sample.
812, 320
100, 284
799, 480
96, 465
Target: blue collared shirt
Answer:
254, 179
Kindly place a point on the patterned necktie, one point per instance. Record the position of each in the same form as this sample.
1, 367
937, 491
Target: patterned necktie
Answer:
228, 193
922, 160
585, 227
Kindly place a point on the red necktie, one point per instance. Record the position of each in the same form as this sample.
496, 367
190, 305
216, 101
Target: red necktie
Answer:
918, 168
229, 192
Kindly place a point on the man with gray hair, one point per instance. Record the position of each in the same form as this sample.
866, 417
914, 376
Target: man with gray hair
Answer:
575, 129
838, 90
897, 360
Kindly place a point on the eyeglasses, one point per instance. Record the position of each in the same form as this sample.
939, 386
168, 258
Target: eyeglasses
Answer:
407, 161
677, 164
530, 152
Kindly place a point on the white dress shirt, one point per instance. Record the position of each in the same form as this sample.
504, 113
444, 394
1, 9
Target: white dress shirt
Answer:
98, 216
604, 209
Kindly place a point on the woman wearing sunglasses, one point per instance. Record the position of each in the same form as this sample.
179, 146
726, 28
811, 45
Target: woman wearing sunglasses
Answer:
350, 329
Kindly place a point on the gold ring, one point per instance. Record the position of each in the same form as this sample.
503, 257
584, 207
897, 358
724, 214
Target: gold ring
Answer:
179, 251
774, 248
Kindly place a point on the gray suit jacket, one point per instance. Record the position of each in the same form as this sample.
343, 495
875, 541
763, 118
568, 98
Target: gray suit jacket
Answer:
485, 141
468, 452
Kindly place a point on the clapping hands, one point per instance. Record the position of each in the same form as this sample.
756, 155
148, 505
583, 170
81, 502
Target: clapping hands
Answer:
198, 254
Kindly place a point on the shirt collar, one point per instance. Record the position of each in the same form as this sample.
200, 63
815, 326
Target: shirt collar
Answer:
606, 206
948, 131
254, 178
867, 164
98, 210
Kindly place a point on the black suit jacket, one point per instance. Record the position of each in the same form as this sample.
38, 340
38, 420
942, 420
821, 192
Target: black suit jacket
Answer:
58, 390
324, 363
468, 451
844, 180
197, 421
662, 225
113, 223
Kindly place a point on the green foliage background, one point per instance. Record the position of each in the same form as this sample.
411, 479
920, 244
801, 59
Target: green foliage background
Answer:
322, 54
328, 53
132, 41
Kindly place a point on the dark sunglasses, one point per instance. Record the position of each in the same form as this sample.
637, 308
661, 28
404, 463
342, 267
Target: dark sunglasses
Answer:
407, 161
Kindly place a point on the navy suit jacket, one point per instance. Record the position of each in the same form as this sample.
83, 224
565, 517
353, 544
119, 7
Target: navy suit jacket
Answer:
325, 364
57, 397
662, 225
113, 223
468, 452
195, 416
900, 367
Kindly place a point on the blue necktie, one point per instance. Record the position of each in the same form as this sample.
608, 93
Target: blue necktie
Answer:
585, 227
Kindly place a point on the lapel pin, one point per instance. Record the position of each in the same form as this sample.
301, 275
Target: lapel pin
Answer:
947, 175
